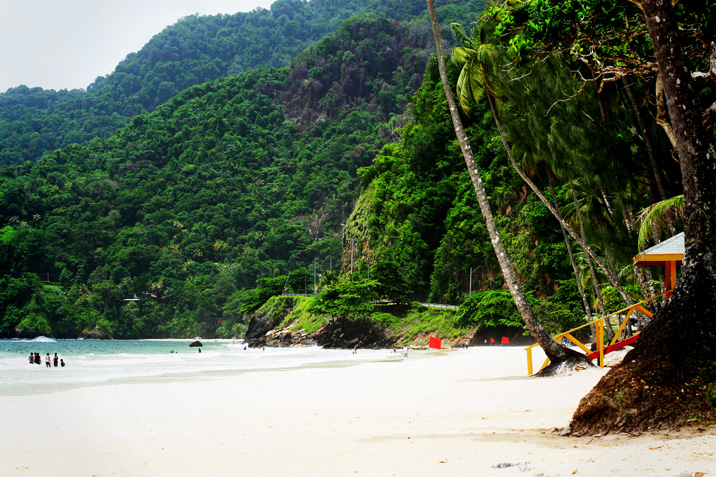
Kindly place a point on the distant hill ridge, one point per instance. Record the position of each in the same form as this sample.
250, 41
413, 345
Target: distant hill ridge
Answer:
195, 50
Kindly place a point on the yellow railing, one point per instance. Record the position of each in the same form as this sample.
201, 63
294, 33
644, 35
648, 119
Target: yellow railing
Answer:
599, 330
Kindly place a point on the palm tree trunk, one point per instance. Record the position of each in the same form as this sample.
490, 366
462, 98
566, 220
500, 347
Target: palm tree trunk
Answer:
557, 353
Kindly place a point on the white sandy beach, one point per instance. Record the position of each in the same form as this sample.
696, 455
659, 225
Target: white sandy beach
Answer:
472, 412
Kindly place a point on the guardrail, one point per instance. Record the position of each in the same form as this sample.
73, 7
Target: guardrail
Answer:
601, 350
439, 305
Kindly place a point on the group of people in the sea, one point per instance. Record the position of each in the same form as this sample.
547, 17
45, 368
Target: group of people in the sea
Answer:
49, 361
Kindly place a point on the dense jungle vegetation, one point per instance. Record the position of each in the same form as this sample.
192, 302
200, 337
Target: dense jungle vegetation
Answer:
342, 168
243, 178
195, 50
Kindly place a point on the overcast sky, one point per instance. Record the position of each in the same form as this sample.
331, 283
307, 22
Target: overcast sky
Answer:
60, 44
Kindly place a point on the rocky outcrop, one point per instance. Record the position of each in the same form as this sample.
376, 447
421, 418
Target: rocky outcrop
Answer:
95, 334
356, 333
266, 319
282, 338
344, 334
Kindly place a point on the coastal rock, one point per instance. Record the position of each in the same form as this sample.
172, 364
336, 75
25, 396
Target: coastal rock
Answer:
282, 338
341, 334
349, 334
263, 322
95, 334
26, 334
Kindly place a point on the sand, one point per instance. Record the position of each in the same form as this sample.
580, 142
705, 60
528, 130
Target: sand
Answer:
472, 412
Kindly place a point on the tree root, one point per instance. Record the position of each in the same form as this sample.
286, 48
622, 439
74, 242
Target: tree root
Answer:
632, 398
573, 361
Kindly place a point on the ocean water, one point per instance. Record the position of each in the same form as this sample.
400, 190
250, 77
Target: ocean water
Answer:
100, 362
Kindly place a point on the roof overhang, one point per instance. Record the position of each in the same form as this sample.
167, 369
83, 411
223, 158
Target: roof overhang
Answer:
657, 259
668, 251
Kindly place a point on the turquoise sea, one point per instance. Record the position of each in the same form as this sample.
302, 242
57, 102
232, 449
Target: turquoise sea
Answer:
101, 362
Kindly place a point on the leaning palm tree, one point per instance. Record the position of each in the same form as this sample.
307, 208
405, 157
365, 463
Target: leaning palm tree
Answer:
479, 62
559, 355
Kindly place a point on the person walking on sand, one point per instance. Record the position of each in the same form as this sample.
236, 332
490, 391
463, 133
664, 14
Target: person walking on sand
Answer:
405, 351
47, 361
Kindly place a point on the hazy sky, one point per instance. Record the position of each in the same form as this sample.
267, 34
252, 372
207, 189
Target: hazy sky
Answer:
60, 44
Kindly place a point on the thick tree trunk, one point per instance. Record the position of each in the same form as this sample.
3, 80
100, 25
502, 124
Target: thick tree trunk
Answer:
665, 379
557, 353
697, 284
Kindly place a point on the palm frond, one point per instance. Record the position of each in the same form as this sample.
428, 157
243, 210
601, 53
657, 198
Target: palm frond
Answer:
461, 55
658, 216
460, 35
464, 93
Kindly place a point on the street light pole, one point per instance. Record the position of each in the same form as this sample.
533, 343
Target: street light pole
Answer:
472, 270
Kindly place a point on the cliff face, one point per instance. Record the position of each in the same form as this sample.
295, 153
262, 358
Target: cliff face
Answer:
285, 321
342, 334
278, 323
269, 317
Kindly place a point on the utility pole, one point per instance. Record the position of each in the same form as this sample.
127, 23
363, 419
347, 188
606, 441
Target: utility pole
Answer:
285, 285
473, 270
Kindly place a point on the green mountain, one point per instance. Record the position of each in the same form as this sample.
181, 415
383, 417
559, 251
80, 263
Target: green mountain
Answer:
195, 50
345, 163
234, 180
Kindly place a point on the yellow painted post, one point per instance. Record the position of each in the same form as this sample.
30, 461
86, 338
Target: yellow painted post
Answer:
577, 343
621, 327
529, 360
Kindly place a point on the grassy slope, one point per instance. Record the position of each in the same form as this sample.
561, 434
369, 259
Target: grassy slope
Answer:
410, 325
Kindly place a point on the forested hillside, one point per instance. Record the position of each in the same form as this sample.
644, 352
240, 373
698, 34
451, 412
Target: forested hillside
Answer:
231, 181
344, 169
585, 145
195, 50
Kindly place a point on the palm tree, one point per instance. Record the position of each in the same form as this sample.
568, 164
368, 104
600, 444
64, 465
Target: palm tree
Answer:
558, 354
476, 80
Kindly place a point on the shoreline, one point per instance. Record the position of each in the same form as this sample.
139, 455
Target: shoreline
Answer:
458, 411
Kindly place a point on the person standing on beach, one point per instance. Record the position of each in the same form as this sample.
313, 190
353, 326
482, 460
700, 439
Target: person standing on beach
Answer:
37, 358
405, 351
47, 361
55, 360
31, 359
